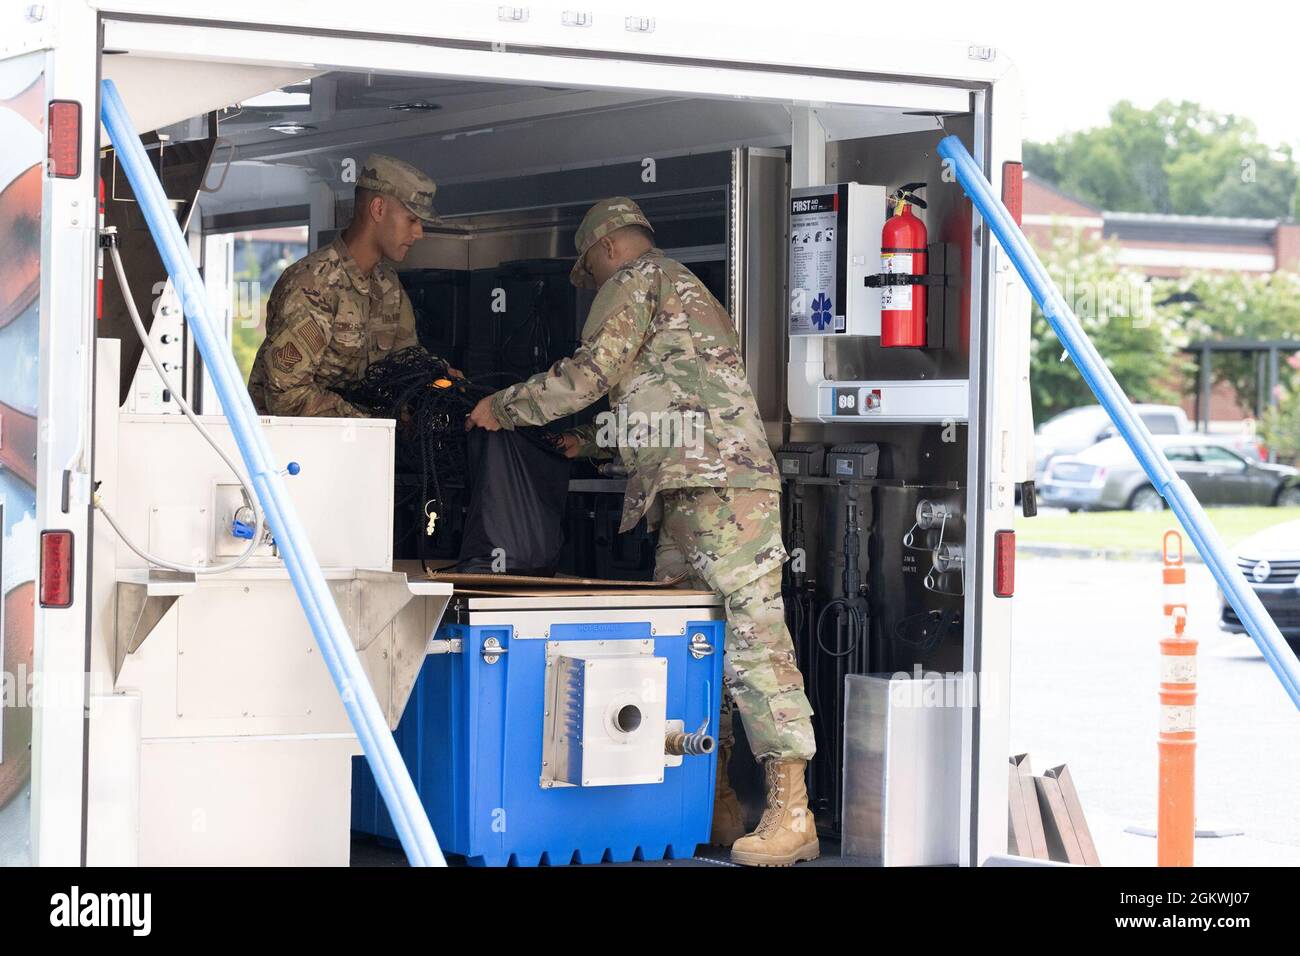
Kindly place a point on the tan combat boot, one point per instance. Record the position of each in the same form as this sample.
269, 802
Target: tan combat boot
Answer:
787, 833
728, 817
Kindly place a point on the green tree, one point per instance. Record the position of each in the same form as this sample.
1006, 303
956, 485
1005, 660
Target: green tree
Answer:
1280, 427
1173, 158
1235, 305
248, 328
1126, 316
252, 290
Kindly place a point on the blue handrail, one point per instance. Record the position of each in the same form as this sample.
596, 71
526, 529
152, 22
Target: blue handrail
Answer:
1173, 489
409, 818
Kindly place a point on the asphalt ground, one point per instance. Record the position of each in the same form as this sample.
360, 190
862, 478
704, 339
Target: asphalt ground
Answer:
1084, 683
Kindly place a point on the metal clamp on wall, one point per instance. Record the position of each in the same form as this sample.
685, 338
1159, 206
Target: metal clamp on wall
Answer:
945, 557
882, 279
492, 650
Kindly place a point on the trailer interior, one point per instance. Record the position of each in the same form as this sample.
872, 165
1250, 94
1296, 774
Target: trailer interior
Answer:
215, 693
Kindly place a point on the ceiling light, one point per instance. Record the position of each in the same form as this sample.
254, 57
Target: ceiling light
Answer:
290, 129
416, 106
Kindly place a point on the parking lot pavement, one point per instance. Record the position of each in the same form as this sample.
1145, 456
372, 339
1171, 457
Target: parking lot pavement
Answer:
1084, 682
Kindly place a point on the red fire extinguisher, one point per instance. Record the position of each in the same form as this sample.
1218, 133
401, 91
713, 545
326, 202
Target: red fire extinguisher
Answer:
902, 252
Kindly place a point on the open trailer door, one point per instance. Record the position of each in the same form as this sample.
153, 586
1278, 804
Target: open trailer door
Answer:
22, 122
47, 195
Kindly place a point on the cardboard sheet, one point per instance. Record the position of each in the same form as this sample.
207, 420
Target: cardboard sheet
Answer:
496, 582
571, 592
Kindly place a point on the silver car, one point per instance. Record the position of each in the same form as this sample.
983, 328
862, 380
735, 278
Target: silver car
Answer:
1108, 477
1271, 562
1073, 430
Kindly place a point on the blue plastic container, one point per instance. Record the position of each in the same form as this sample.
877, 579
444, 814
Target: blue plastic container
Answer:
472, 736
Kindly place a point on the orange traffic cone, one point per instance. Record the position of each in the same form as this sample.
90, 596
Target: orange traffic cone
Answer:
1176, 814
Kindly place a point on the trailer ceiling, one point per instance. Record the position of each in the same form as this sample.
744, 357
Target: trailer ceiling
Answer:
495, 117
459, 131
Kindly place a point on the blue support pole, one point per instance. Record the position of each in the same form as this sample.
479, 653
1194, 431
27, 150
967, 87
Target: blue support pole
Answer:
1093, 368
394, 781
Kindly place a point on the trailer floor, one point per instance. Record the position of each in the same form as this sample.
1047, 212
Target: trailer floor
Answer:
369, 851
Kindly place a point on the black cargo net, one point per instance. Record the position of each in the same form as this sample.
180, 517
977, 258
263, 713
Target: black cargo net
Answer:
430, 406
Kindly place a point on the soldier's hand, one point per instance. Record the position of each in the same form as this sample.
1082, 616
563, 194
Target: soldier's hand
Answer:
455, 372
572, 444
482, 417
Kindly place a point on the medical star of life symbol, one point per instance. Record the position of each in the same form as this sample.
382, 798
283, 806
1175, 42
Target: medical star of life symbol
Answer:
821, 310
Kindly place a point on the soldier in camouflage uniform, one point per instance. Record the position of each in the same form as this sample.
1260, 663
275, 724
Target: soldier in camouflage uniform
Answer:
341, 308
668, 356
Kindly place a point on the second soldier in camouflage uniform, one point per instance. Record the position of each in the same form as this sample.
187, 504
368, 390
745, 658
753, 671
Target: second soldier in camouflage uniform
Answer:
668, 356
340, 309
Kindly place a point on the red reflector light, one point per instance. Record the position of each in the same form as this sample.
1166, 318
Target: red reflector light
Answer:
56, 569
1013, 189
1004, 563
65, 139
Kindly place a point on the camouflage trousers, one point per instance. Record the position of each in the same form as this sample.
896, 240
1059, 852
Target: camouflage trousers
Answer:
729, 540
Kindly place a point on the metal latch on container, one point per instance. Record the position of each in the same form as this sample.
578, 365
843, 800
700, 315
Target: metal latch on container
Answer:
492, 650
700, 646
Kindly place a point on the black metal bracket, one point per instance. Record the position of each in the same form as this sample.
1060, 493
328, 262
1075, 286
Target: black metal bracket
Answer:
1028, 499
882, 279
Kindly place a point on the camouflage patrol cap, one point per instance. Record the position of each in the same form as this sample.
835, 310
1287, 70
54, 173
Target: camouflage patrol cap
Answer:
600, 220
402, 181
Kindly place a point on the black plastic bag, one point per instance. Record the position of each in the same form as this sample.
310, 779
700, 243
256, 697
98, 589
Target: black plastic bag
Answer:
518, 489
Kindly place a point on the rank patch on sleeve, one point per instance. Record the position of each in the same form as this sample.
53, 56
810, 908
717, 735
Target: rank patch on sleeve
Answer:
286, 357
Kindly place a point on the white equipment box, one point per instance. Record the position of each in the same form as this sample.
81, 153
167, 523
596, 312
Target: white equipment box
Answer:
174, 496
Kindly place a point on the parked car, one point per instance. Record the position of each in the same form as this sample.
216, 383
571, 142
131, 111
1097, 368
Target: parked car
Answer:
1074, 430
1108, 477
1271, 563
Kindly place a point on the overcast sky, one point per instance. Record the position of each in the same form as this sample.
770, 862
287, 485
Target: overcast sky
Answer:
1078, 58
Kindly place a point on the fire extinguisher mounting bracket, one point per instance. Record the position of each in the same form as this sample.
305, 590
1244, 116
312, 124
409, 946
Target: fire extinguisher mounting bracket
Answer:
882, 279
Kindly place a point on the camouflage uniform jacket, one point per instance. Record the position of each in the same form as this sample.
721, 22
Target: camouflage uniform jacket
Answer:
657, 342
326, 323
